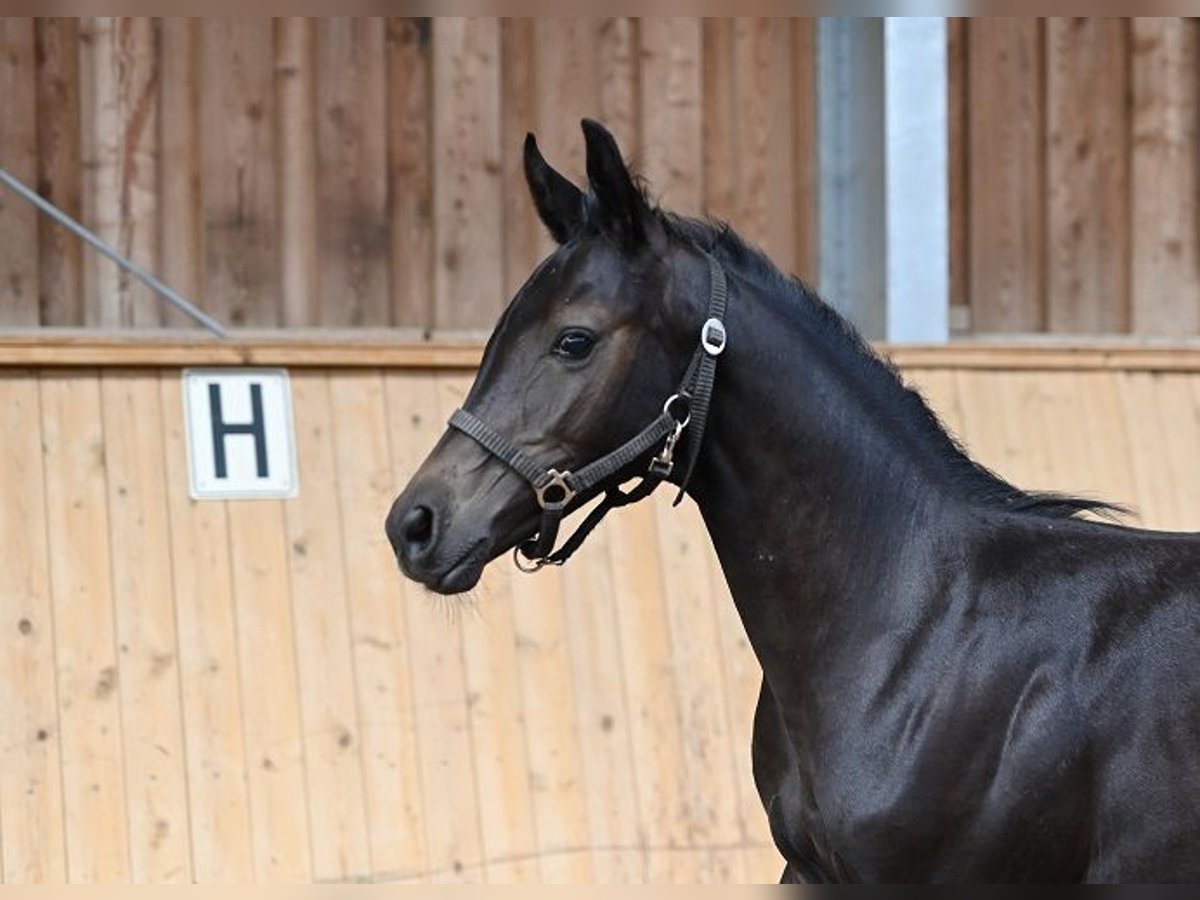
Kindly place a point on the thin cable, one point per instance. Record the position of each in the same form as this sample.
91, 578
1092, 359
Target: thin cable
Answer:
164, 290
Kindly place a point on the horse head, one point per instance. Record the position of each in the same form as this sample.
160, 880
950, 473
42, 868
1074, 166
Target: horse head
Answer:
584, 356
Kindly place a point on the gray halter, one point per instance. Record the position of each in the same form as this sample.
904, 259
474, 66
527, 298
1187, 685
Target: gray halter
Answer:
687, 408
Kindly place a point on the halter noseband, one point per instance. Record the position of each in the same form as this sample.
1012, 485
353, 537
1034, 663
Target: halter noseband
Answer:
687, 408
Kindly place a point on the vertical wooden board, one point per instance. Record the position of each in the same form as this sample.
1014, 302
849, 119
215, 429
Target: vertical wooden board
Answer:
720, 121
523, 231
1175, 406
237, 119
619, 91
118, 115
1087, 162
410, 170
468, 193
1182, 451
441, 717
654, 716
506, 758
555, 764
710, 760
140, 536
1107, 436
1005, 183
19, 152
60, 253
804, 122
609, 770
181, 221
320, 615
1019, 397
296, 74
1154, 482
209, 670
274, 729
137, 51
566, 76
984, 429
379, 638
957, 50
567, 88
1165, 238
763, 129
32, 842
97, 826
100, 152
940, 391
1057, 423
352, 171
671, 111
742, 677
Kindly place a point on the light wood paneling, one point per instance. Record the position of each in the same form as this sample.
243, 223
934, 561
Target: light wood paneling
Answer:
148, 657
281, 832
96, 815
321, 618
209, 668
445, 758
32, 824
241, 690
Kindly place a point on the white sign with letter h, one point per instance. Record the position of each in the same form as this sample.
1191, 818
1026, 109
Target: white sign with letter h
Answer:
239, 433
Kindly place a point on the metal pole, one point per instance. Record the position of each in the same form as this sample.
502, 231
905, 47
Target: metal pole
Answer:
164, 290
916, 150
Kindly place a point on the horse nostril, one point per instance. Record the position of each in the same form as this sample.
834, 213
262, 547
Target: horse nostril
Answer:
417, 527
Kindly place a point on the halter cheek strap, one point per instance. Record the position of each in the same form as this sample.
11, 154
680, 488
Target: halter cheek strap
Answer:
555, 489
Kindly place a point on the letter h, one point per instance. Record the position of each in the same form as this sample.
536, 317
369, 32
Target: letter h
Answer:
222, 429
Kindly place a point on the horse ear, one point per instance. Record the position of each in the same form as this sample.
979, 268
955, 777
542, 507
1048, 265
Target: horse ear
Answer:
621, 208
559, 203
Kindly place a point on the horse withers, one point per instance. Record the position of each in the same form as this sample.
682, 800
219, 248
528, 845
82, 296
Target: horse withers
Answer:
961, 680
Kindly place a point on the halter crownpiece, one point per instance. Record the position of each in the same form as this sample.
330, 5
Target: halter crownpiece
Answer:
554, 489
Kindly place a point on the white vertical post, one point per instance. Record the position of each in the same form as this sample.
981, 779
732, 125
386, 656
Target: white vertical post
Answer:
882, 159
851, 170
918, 221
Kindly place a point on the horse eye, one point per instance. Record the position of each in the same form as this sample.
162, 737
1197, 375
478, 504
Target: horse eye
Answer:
574, 343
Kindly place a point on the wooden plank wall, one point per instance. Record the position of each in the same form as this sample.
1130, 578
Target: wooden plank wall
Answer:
1074, 202
366, 172
247, 690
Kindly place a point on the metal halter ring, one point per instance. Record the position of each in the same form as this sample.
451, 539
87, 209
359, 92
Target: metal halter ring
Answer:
533, 566
557, 480
687, 416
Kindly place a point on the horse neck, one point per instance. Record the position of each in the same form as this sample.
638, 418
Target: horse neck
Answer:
813, 487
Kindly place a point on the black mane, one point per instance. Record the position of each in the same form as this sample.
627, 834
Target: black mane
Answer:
981, 483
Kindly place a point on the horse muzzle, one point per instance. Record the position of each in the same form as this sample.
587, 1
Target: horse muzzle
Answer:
418, 528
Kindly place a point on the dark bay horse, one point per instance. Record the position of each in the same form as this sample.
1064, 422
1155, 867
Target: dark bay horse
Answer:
962, 680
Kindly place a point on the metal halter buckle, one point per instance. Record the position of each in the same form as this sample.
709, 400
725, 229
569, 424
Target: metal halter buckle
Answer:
557, 480
713, 337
